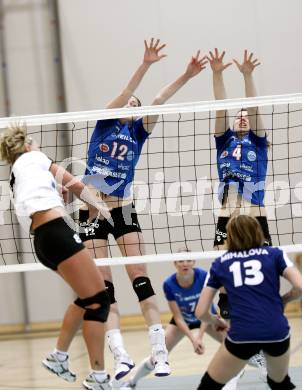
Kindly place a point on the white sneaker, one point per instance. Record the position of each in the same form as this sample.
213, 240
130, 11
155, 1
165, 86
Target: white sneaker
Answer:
160, 360
123, 364
91, 383
58, 367
259, 362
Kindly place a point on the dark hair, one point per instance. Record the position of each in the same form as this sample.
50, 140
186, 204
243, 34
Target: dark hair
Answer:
138, 101
243, 232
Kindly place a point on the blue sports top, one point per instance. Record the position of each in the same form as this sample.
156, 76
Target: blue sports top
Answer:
186, 298
242, 162
113, 153
252, 281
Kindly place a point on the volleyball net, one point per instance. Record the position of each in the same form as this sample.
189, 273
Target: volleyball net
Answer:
175, 189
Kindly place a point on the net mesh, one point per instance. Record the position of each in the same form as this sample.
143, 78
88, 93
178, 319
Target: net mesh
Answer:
176, 182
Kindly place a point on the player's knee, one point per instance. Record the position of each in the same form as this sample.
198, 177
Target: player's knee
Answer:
110, 291
143, 288
286, 384
207, 383
100, 312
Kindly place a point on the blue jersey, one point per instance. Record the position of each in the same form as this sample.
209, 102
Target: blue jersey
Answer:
113, 153
243, 163
186, 298
252, 281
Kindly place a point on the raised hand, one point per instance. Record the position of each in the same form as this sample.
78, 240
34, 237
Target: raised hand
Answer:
248, 65
196, 65
152, 51
216, 61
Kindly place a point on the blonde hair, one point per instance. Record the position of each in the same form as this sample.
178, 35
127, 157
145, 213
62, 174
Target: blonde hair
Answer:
12, 143
243, 232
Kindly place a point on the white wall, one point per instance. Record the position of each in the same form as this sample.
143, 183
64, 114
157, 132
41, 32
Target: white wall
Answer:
103, 44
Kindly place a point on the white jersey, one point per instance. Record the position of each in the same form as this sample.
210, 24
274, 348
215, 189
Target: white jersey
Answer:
34, 187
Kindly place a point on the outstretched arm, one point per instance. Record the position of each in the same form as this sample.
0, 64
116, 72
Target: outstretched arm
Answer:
247, 68
152, 55
66, 179
217, 65
195, 66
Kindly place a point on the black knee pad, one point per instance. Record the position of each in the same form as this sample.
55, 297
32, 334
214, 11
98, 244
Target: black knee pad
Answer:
286, 384
207, 383
142, 287
100, 314
110, 291
223, 305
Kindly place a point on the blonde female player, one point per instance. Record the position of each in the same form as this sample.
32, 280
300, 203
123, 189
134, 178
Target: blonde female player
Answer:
114, 151
40, 210
250, 272
182, 290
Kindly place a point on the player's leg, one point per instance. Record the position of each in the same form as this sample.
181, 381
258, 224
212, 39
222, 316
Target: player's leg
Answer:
95, 235
127, 233
277, 357
173, 337
132, 244
223, 367
80, 272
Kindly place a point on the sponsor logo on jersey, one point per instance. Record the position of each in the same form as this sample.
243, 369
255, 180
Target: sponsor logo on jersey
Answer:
225, 165
104, 148
102, 160
130, 155
77, 238
246, 167
224, 154
251, 156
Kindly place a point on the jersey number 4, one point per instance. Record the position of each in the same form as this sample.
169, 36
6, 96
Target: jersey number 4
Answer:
237, 152
251, 270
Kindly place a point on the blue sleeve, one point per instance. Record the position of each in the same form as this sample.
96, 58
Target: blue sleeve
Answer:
257, 140
168, 293
213, 279
141, 134
222, 139
282, 261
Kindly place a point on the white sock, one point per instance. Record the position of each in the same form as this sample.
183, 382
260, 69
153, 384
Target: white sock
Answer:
115, 341
61, 355
157, 335
100, 376
144, 369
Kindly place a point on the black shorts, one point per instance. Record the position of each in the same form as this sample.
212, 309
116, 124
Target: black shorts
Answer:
124, 221
245, 351
221, 235
193, 325
55, 242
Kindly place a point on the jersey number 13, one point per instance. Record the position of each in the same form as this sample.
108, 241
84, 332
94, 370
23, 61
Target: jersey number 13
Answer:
251, 275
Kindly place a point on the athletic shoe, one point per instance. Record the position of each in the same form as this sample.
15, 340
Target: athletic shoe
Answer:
123, 364
160, 360
91, 383
259, 362
58, 367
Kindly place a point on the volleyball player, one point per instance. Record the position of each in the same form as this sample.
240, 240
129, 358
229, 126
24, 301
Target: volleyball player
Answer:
250, 272
241, 157
39, 209
182, 290
114, 151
